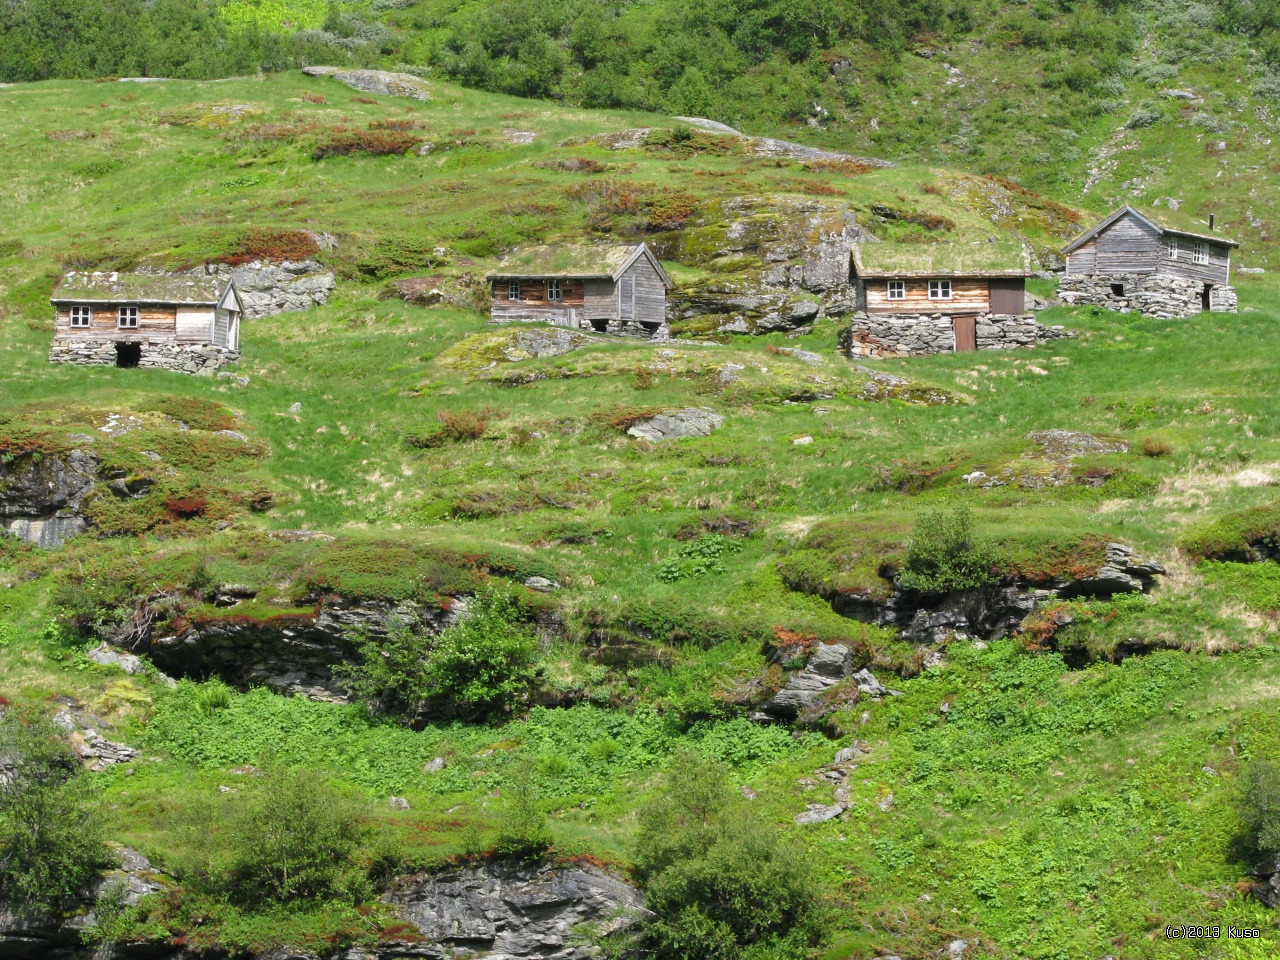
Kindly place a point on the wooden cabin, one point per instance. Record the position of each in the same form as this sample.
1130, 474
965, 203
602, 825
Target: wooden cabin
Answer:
1130, 261
186, 322
609, 288
960, 284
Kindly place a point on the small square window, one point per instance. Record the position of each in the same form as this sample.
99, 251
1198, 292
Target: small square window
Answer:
513, 290
82, 316
897, 289
1117, 289
1171, 247
553, 290
128, 318
939, 289
1200, 252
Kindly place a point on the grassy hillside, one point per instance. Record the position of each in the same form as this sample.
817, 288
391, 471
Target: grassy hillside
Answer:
1060, 806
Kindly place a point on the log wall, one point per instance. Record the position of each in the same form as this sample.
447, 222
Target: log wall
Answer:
970, 296
154, 323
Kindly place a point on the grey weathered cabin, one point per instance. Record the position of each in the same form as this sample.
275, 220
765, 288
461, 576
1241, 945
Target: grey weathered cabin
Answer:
1130, 261
915, 299
185, 322
605, 287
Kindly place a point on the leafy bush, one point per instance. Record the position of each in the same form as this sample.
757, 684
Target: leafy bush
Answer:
483, 663
50, 840
524, 831
1260, 809
702, 556
719, 883
944, 555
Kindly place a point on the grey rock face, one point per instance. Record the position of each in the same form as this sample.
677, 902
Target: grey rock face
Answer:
271, 288
1267, 884
1123, 572
542, 342
817, 813
94, 750
827, 666
516, 911
670, 425
383, 82
41, 496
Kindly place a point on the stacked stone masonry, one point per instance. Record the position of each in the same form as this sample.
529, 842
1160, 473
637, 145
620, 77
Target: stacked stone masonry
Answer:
197, 358
916, 335
1158, 295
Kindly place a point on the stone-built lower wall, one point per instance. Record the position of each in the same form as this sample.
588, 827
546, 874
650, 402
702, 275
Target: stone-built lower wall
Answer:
918, 335
1159, 295
156, 354
617, 328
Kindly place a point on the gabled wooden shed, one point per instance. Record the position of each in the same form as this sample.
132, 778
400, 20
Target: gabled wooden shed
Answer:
610, 288
186, 322
1131, 261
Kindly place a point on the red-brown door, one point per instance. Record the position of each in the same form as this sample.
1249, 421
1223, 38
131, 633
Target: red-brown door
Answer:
966, 331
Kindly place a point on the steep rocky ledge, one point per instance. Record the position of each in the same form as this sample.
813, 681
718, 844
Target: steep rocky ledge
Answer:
41, 495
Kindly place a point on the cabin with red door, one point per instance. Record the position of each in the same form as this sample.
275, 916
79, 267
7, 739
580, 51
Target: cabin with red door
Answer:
917, 299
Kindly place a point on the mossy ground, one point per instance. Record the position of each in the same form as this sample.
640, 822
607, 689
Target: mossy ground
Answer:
1018, 812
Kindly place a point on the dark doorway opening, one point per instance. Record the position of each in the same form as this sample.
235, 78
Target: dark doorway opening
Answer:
1206, 297
1118, 289
600, 326
128, 355
649, 327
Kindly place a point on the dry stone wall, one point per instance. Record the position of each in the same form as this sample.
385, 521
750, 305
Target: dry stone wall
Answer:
1158, 295
917, 335
202, 358
270, 288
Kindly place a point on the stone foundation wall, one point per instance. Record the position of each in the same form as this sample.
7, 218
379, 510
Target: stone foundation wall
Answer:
1159, 295
917, 335
197, 358
616, 328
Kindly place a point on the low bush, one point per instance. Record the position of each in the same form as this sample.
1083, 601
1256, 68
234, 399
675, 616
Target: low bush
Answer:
1259, 809
944, 554
719, 882
374, 143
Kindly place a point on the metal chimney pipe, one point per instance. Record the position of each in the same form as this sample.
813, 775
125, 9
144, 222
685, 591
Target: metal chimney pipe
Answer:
1211, 223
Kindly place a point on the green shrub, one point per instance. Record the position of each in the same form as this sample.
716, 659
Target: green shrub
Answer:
720, 884
1260, 809
50, 841
290, 835
523, 832
483, 663
702, 556
944, 554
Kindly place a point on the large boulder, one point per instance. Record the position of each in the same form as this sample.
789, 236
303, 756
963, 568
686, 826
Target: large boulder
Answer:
505, 911
385, 83
268, 287
673, 424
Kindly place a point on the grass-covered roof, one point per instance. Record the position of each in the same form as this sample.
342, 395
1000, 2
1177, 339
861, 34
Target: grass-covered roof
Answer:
577, 261
140, 287
941, 260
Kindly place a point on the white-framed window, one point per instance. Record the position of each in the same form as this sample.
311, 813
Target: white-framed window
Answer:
82, 316
1200, 252
897, 289
939, 289
128, 318
513, 289
1171, 247
553, 290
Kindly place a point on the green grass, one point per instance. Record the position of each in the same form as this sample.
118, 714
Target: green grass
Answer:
1095, 860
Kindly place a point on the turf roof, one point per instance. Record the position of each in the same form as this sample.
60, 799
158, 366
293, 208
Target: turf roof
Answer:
578, 261
941, 260
141, 287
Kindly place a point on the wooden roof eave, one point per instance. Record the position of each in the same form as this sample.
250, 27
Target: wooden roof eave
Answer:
129, 301
1159, 228
643, 251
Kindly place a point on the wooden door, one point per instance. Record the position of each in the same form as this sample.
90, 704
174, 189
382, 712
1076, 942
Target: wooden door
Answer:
1008, 297
627, 298
966, 332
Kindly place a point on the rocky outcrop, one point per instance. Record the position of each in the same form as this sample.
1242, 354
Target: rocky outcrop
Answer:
498, 910
758, 146
382, 82
268, 288
41, 495
915, 335
830, 665
505, 911
156, 354
775, 263
673, 424
1154, 295
291, 653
